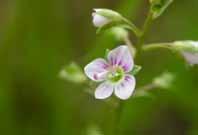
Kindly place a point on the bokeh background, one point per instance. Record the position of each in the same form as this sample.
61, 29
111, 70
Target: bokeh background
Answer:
39, 37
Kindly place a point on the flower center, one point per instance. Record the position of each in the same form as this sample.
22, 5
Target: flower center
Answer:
116, 75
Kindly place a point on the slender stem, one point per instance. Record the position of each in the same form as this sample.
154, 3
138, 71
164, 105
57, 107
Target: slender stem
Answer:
133, 28
168, 46
141, 37
130, 46
146, 27
118, 115
156, 46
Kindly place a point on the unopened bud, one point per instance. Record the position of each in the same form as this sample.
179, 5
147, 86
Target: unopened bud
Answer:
102, 17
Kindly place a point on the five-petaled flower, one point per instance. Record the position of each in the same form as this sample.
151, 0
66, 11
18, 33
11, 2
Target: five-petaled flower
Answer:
113, 73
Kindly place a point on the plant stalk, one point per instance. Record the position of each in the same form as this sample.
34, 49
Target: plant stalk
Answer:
130, 46
118, 115
133, 28
146, 26
141, 37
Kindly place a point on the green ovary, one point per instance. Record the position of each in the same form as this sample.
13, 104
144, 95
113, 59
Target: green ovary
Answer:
116, 75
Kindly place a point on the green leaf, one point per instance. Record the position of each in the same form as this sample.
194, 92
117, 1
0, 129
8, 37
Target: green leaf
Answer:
136, 70
72, 73
159, 6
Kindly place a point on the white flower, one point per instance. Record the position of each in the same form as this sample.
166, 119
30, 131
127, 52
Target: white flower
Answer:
194, 43
113, 73
191, 58
189, 50
99, 20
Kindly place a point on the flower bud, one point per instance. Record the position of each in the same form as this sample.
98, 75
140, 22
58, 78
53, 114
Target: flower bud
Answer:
99, 20
102, 17
186, 46
189, 50
192, 59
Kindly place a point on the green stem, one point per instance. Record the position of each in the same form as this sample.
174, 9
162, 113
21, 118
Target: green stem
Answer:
130, 46
146, 27
156, 46
133, 28
118, 115
168, 46
141, 37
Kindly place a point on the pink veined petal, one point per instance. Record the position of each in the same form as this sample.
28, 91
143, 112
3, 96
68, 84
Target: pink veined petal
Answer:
125, 89
97, 69
121, 56
104, 90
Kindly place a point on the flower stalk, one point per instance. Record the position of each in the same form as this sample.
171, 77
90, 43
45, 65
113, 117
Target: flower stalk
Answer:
118, 115
133, 28
154, 46
146, 27
130, 46
141, 38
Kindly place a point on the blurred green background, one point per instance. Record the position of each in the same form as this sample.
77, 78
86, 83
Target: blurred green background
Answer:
39, 37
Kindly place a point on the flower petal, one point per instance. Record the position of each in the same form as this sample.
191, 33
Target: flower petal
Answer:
97, 69
125, 89
191, 58
121, 56
99, 20
104, 90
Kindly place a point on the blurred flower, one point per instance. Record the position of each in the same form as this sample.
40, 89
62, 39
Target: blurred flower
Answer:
113, 73
192, 59
165, 80
186, 46
189, 50
72, 73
